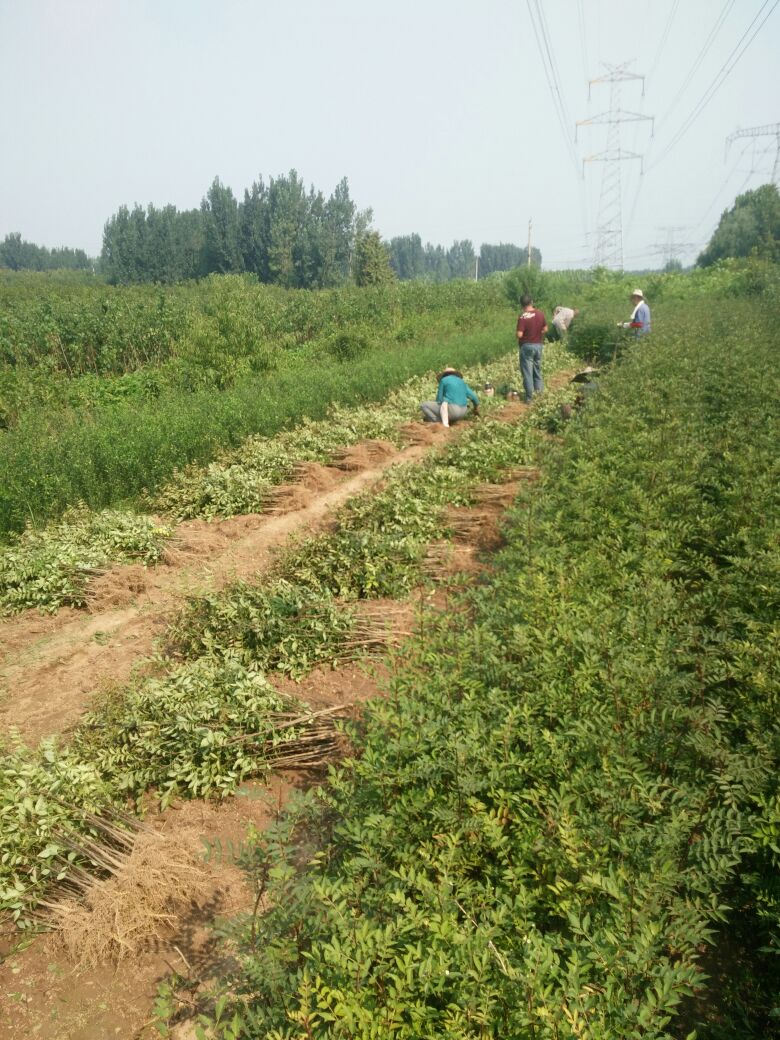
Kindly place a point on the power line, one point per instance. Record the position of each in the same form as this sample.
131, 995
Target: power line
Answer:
583, 38
721, 189
700, 57
770, 130
553, 82
548, 63
664, 38
718, 81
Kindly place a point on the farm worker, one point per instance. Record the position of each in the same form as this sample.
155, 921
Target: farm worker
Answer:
640, 316
531, 327
562, 319
452, 399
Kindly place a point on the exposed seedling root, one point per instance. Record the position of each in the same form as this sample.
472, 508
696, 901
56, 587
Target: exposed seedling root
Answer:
420, 433
476, 527
381, 624
443, 559
517, 473
305, 478
358, 456
140, 901
499, 496
316, 742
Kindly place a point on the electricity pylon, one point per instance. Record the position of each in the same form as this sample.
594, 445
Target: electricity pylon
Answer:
672, 248
609, 230
772, 129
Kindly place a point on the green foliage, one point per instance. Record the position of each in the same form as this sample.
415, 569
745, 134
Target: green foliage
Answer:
279, 626
46, 800
566, 799
232, 358
349, 344
750, 228
529, 280
372, 261
279, 233
240, 481
597, 342
213, 720
25, 256
200, 730
49, 568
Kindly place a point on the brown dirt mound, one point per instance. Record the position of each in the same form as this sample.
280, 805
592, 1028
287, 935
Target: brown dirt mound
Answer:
425, 433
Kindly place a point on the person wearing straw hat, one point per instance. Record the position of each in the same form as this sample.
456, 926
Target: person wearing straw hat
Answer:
640, 316
452, 399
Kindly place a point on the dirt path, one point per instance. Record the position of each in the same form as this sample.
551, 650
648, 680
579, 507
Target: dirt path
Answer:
51, 668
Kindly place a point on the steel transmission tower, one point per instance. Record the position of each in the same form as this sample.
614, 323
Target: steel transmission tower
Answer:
771, 129
609, 231
672, 249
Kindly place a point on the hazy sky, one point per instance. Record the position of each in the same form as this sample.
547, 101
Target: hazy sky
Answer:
439, 112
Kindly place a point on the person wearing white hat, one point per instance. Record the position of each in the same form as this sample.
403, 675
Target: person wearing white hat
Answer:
640, 316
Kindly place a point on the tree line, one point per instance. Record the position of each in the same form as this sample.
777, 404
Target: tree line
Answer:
288, 236
19, 255
285, 235
410, 259
280, 232
750, 227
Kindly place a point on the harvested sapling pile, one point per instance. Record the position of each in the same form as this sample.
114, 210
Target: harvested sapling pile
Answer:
140, 900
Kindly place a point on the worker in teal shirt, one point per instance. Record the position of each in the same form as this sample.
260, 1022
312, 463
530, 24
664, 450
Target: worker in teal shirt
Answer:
452, 399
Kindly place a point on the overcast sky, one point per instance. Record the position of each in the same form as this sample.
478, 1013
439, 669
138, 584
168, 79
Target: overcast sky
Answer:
447, 117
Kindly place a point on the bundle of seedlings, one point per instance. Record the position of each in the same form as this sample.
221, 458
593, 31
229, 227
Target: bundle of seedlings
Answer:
133, 896
357, 457
442, 559
496, 496
478, 527
313, 735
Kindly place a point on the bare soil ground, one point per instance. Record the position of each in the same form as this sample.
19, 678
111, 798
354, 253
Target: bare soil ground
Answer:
55, 667
52, 668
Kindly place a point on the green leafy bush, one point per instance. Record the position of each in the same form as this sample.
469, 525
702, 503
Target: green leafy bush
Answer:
596, 342
571, 796
49, 568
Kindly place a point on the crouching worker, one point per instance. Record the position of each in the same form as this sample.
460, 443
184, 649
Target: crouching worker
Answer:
452, 399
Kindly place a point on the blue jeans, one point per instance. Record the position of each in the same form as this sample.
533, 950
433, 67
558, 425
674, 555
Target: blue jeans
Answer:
531, 369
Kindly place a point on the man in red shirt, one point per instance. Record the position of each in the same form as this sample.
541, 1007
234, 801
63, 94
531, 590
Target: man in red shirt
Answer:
531, 327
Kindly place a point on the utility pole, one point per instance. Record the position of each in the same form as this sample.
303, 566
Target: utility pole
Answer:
476, 268
609, 231
771, 129
528, 258
672, 248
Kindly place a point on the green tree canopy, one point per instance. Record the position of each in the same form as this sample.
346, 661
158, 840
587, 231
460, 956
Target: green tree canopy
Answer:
19, 255
750, 227
280, 232
410, 259
372, 261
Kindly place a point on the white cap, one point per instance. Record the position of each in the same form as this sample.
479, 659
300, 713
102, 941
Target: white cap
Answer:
638, 292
